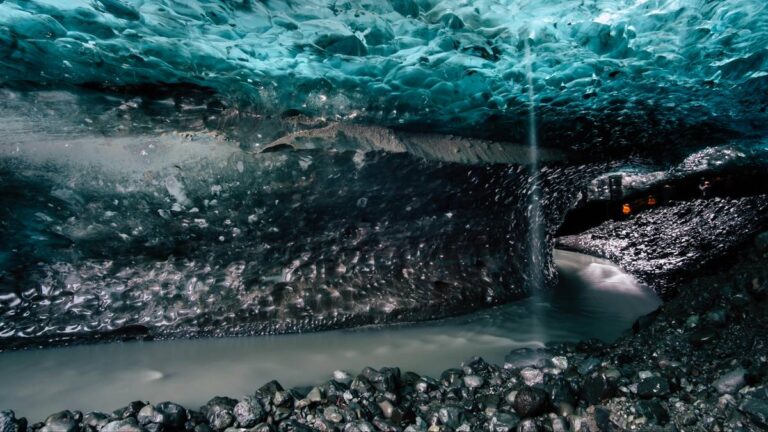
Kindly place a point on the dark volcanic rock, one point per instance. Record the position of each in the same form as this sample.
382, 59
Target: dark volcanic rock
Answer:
653, 411
131, 410
653, 387
503, 422
9, 423
63, 421
756, 409
220, 412
126, 425
531, 402
597, 388
249, 412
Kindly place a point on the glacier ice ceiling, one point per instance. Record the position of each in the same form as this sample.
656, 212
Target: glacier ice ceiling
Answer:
607, 70
245, 167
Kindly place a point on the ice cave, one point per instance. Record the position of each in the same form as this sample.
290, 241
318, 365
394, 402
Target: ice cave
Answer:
383, 215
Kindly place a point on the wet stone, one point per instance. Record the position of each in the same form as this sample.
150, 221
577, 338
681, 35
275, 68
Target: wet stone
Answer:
126, 425
269, 389
756, 409
473, 381
532, 376
653, 387
95, 420
342, 377
450, 416
503, 422
63, 421
731, 382
530, 402
249, 412
653, 411
528, 425
131, 410
333, 414
219, 412
596, 388
9, 423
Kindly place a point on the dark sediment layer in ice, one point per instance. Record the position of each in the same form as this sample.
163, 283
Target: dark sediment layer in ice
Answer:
664, 245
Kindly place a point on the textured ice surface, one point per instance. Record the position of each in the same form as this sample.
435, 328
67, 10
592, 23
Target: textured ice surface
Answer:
605, 71
236, 167
187, 234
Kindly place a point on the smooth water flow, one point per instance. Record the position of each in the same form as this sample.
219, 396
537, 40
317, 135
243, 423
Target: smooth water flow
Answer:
594, 298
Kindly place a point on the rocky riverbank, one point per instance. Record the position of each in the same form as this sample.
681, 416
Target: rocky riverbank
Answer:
699, 363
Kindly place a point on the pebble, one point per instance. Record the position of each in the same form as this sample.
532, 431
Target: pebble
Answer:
532, 376
731, 382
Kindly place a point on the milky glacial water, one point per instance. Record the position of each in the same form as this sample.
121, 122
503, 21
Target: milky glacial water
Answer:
593, 298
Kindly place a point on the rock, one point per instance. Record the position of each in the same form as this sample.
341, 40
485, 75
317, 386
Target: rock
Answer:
262, 427
333, 414
342, 377
532, 376
450, 416
503, 422
9, 423
653, 387
220, 412
269, 389
96, 420
426, 385
756, 410
384, 380
249, 412
147, 415
653, 411
315, 395
596, 388
359, 426
530, 402
132, 410
600, 419
127, 425
172, 414
559, 424
588, 366
473, 381
560, 362
731, 382
528, 425
63, 421
476, 366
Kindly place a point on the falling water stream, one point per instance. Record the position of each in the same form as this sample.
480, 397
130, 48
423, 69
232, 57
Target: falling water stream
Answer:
536, 227
593, 298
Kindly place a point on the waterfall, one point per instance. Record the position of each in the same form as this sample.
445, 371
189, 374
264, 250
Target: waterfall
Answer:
535, 227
